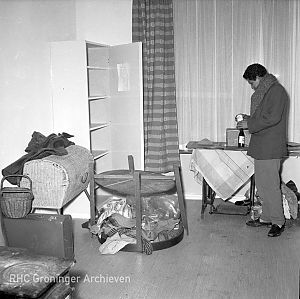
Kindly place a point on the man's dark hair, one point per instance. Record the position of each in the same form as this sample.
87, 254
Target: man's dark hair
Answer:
254, 70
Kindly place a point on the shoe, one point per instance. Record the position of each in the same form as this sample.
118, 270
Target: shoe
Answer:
246, 202
257, 223
275, 230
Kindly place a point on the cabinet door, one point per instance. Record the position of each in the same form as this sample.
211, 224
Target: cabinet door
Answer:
126, 91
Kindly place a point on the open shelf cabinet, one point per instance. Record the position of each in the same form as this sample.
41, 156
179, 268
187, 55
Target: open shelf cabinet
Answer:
97, 95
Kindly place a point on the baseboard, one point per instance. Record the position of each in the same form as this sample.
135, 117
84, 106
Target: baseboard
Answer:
73, 215
187, 197
193, 197
199, 197
80, 216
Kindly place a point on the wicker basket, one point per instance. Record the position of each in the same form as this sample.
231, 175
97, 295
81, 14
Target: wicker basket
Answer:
56, 180
16, 202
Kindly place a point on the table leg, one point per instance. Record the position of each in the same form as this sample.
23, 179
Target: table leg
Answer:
208, 196
204, 197
252, 190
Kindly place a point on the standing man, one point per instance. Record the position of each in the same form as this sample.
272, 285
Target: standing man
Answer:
267, 124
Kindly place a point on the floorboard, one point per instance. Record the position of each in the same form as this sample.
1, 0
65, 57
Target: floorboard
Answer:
220, 258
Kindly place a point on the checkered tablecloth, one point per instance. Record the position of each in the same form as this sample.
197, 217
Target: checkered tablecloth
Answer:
226, 171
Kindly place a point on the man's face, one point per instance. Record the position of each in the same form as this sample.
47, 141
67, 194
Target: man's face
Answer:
254, 83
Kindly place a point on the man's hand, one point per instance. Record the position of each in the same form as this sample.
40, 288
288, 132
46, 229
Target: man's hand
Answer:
242, 124
241, 116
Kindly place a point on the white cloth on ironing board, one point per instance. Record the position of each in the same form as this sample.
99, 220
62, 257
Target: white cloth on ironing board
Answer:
226, 171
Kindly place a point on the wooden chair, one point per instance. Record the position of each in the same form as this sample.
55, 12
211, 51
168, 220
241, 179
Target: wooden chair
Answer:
135, 177
181, 202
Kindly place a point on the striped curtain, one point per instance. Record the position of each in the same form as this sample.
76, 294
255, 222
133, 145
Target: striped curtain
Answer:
152, 24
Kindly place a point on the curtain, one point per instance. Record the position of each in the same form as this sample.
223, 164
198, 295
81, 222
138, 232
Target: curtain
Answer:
215, 40
152, 24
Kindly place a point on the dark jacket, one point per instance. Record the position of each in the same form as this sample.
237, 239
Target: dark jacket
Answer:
268, 125
39, 147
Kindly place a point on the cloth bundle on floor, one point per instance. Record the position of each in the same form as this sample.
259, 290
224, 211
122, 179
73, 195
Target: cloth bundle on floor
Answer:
116, 223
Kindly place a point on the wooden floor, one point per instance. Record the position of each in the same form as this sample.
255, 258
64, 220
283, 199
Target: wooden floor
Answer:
221, 258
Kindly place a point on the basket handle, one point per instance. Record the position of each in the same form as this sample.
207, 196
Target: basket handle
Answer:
17, 175
84, 177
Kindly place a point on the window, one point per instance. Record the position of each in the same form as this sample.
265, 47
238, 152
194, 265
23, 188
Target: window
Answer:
215, 40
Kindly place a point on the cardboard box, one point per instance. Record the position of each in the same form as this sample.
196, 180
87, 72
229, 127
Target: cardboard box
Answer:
47, 234
232, 137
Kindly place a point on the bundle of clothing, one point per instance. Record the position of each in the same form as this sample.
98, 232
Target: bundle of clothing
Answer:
39, 146
290, 199
116, 223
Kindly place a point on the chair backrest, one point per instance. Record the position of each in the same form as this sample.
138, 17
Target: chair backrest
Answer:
179, 189
131, 163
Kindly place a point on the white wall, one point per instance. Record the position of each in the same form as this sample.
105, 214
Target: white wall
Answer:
105, 21
25, 93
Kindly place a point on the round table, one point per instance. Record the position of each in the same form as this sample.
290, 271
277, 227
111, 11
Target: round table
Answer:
121, 182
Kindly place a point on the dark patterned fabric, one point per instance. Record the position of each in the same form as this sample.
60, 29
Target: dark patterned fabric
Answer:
38, 147
152, 24
265, 83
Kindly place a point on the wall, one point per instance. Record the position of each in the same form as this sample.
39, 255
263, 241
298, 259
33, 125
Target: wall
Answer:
108, 22
25, 93
24, 76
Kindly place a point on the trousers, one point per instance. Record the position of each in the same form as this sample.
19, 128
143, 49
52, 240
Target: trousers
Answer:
268, 184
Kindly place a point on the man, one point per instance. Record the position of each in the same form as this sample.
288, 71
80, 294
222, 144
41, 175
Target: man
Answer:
267, 124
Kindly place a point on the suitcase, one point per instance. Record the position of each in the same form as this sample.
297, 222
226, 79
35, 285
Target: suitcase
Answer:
47, 234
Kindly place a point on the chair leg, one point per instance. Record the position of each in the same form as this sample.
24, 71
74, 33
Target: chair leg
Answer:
131, 163
181, 200
137, 183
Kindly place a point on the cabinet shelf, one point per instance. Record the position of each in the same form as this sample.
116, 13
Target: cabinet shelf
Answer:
97, 126
99, 153
87, 83
99, 97
99, 68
